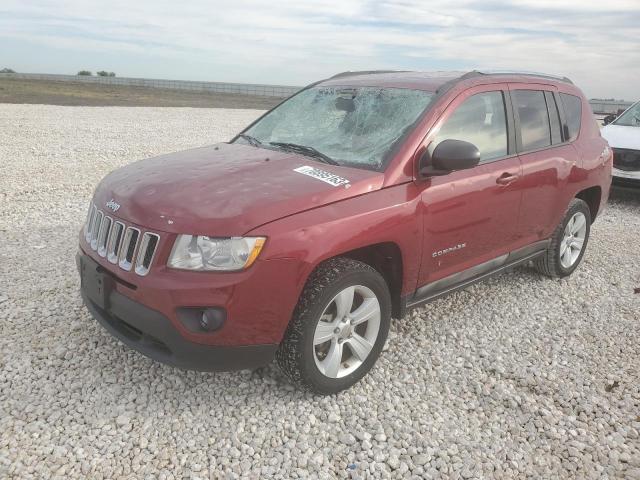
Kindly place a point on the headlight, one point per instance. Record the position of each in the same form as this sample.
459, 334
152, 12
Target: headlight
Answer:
192, 252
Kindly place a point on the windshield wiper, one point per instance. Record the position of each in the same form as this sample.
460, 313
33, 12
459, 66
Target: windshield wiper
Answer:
252, 140
305, 150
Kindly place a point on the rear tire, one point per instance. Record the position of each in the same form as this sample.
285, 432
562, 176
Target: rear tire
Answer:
338, 328
568, 242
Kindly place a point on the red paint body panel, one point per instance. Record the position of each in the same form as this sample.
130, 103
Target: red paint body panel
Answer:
232, 190
223, 190
390, 215
546, 176
468, 207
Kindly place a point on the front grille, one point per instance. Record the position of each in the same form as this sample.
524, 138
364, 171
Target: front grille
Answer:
624, 159
115, 242
95, 228
148, 246
103, 235
123, 245
128, 250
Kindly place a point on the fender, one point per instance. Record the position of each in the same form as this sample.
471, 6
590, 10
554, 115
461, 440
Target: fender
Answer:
389, 215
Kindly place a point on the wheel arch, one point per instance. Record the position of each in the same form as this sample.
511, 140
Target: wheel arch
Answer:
386, 259
592, 196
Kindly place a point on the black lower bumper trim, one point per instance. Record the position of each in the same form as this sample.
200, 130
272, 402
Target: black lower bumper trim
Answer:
152, 334
626, 182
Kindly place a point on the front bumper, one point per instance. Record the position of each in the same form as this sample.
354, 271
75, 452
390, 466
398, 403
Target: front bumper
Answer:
626, 177
153, 334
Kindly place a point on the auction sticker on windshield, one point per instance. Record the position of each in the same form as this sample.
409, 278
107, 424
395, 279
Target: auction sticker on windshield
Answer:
323, 175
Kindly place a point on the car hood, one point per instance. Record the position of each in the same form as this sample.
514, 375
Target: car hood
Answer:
620, 136
226, 189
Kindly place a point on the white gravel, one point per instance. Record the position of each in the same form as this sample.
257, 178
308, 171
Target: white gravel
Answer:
520, 376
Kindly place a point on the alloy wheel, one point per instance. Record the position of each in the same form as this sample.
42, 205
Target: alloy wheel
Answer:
573, 240
347, 331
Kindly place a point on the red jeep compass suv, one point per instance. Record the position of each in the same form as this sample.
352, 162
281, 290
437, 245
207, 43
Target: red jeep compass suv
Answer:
357, 198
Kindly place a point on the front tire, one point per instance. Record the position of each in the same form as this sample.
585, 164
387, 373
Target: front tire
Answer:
338, 328
568, 243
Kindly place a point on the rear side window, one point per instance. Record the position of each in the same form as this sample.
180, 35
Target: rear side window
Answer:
554, 118
573, 111
480, 120
531, 106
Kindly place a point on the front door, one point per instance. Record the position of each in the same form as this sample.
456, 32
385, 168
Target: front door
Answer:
470, 216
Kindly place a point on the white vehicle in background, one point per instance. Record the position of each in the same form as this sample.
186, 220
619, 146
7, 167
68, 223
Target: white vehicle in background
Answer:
623, 135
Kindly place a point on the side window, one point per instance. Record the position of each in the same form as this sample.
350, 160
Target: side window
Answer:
554, 118
535, 132
480, 120
573, 111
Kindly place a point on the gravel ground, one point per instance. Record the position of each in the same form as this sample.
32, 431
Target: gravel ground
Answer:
520, 376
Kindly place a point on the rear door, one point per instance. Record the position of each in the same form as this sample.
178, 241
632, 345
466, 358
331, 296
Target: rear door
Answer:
548, 160
470, 216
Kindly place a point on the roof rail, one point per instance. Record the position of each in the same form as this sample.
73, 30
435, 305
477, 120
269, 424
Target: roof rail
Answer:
363, 72
516, 72
477, 73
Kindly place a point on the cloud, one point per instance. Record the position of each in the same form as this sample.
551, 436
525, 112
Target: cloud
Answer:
291, 42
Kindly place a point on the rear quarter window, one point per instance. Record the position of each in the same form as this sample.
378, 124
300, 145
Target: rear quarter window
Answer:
573, 112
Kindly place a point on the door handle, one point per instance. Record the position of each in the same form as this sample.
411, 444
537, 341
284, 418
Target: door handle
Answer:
506, 178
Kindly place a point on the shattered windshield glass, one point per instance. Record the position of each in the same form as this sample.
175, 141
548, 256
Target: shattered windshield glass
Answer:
630, 118
353, 126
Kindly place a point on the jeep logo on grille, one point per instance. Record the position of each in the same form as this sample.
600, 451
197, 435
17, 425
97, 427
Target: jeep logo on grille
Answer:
113, 205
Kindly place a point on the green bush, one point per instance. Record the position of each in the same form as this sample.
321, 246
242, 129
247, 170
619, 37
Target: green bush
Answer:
102, 73
7, 70
85, 73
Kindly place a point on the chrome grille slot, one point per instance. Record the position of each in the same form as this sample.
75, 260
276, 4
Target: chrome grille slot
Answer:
95, 228
146, 252
128, 250
87, 222
89, 226
103, 236
123, 245
115, 242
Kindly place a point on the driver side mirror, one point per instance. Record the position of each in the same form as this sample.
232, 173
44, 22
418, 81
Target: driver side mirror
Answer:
448, 156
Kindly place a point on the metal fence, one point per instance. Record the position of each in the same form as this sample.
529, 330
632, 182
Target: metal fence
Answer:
216, 87
603, 107
606, 107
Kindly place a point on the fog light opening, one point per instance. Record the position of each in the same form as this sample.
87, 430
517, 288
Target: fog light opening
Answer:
202, 319
211, 320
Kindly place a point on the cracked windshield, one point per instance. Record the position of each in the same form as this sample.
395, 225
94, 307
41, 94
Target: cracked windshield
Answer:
341, 125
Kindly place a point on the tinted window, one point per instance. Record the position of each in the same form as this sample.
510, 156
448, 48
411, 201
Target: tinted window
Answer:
480, 120
573, 112
554, 118
534, 120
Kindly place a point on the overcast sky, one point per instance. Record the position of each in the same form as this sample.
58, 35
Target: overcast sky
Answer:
293, 42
